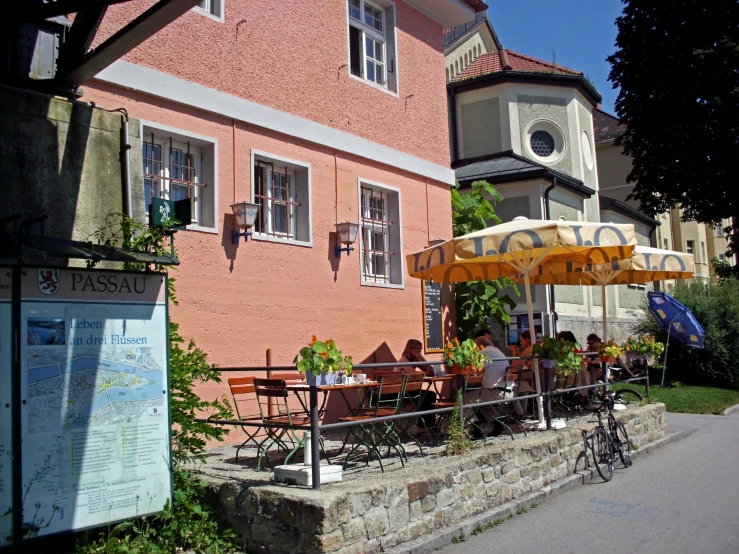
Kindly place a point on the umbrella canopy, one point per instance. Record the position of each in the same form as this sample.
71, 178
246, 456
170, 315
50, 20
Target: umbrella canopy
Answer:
519, 246
645, 266
676, 319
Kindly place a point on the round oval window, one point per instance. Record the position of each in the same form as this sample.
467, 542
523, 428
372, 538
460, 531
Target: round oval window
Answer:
542, 143
587, 150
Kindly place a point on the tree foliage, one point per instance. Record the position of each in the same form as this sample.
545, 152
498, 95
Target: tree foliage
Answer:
676, 65
479, 302
715, 307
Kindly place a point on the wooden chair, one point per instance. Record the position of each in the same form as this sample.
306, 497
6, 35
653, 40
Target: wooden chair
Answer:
243, 393
283, 438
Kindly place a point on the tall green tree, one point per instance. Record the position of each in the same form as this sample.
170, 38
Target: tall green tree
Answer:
479, 302
677, 65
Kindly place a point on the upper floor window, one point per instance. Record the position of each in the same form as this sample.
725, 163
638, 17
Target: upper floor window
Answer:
380, 235
689, 245
372, 42
179, 167
282, 190
719, 229
212, 8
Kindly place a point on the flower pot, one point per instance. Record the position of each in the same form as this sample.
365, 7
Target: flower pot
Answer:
322, 379
466, 370
608, 359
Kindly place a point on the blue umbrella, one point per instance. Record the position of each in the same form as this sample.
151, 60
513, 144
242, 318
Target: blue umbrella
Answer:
677, 320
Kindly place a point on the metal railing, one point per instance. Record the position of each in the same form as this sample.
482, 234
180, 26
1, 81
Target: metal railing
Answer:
315, 428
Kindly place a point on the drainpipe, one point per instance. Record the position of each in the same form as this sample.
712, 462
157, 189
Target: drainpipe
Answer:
657, 286
547, 213
453, 123
126, 163
125, 157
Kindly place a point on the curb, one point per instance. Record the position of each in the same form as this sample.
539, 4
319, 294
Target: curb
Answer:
731, 409
443, 537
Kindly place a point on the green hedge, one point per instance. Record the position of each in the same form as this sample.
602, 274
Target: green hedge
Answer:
716, 307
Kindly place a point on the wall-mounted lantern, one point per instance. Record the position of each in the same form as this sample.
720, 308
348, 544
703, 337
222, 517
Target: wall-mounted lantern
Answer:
245, 214
346, 233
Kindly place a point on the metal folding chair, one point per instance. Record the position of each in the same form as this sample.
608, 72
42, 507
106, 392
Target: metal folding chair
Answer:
279, 437
372, 435
244, 395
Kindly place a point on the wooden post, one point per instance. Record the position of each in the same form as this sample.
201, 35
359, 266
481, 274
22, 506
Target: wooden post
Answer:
271, 401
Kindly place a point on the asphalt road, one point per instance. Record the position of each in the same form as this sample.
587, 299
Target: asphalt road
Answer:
681, 498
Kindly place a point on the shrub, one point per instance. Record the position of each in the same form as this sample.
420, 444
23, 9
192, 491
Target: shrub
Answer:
716, 307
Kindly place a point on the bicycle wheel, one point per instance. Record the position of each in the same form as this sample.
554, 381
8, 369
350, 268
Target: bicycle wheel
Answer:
621, 439
627, 395
602, 453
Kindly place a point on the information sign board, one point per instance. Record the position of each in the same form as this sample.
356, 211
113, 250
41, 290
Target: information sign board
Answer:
6, 420
433, 323
94, 382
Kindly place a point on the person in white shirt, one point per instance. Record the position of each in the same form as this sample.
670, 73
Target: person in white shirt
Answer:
493, 382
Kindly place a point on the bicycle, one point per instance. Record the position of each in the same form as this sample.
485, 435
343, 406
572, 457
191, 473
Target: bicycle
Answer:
617, 433
601, 446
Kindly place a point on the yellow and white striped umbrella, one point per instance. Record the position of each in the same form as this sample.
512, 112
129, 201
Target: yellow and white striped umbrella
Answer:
645, 266
519, 247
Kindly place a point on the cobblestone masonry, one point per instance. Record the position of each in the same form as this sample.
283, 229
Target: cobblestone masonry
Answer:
368, 517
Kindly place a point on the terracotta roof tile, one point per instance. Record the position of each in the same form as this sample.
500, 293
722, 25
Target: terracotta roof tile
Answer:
606, 127
508, 60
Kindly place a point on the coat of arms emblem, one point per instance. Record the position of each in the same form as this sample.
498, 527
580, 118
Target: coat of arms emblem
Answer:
48, 280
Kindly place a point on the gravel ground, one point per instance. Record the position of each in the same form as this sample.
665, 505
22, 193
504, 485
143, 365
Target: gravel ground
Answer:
221, 460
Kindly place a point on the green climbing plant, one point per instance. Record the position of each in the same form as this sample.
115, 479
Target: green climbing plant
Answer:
187, 524
479, 302
459, 440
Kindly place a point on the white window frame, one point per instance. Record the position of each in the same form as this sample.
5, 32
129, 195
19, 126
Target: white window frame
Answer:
690, 247
366, 30
385, 189
256, 155
164, 132
722, 257
221, 18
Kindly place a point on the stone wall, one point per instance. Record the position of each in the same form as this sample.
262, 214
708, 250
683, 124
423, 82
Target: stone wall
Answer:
62, 159
372, 516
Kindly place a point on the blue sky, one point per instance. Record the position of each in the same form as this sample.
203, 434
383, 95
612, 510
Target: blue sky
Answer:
581, 32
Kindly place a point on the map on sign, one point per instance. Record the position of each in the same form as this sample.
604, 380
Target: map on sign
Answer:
95, 418
94, 387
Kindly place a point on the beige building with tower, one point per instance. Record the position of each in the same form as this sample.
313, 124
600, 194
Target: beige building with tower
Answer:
527, 127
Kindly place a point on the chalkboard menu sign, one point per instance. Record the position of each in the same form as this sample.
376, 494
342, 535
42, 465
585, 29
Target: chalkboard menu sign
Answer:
432, 321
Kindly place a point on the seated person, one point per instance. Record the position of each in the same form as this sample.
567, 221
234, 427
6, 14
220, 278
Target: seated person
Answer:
582, 377
523, 350
493, 383
413, 353
483, 333
594, 362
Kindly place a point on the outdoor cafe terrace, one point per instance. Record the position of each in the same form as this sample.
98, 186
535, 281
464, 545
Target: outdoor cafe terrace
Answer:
378, 415
394, 454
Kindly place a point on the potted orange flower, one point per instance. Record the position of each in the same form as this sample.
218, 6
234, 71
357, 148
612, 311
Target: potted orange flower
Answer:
322, 362
463, 357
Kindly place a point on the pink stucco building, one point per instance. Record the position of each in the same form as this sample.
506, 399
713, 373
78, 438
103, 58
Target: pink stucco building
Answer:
320, 112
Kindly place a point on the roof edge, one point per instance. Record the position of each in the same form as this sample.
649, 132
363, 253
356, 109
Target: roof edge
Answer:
529, 77
607, 203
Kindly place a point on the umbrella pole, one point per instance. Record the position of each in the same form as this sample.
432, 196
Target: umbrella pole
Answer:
667, 346
605, 337
532, 330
